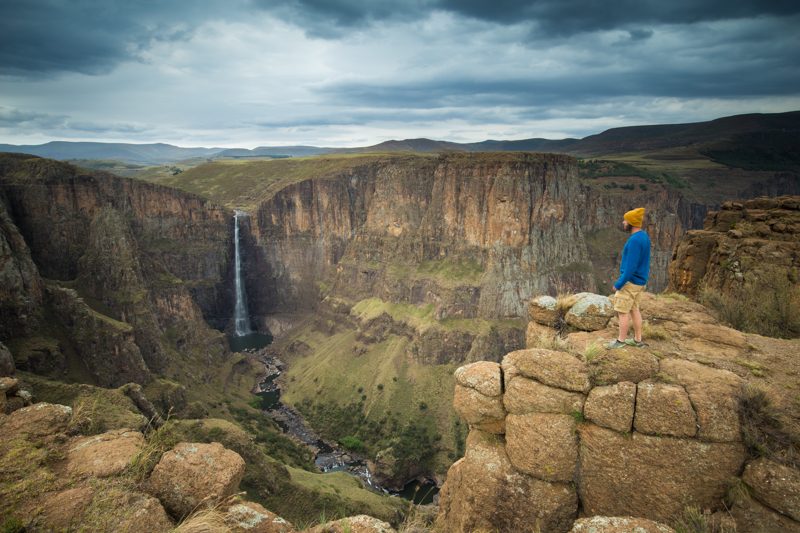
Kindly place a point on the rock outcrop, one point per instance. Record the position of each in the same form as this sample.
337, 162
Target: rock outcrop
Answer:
473, 235
740, 244
632, 432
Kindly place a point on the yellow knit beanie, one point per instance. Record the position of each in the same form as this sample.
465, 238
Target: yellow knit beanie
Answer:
635, 217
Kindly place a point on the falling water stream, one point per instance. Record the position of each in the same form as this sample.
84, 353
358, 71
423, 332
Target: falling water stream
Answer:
240, 316
243, 337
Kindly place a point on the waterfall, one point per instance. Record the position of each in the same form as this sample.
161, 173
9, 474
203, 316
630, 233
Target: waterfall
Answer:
240, 316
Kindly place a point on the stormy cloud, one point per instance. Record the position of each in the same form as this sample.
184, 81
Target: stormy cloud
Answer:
347, 72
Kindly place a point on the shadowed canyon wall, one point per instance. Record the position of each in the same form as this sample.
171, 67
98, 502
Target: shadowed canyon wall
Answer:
143, 265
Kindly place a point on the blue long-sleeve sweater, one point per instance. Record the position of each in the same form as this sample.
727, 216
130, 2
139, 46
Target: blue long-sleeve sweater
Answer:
635, 265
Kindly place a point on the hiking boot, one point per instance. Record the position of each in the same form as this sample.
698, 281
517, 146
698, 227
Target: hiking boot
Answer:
615, 344
635, 343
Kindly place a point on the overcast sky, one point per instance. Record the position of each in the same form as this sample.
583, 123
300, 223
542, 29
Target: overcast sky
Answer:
353, 73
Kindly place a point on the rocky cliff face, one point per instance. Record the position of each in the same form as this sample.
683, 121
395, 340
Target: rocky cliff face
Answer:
739, 244
135, 269
640, 432
473, 235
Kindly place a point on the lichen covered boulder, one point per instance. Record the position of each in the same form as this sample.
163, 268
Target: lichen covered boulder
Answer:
618, 524
525, 395
103, 455
542, 445
776, 485
250, 517
656, 477
192, 473
590, 313
38, 420
355, 524
542, 310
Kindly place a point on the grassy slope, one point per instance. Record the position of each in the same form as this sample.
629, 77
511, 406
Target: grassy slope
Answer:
244, 184
396, 388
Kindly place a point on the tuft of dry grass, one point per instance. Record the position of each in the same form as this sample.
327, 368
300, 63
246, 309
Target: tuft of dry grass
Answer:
551, 342
592, 351
654, 332
159, 441
762, 432
694, 520
770, 306
205, 520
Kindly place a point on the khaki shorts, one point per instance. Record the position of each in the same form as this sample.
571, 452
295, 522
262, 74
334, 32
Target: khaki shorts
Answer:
628, 297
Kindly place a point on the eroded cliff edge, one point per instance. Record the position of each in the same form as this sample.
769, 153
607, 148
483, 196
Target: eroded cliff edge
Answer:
108, 280
701, 422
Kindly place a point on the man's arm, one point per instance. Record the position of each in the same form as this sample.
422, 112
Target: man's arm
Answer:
630, 257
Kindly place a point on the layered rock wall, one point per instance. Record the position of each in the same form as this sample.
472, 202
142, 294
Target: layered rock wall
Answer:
134, 268
743, 242
475, 235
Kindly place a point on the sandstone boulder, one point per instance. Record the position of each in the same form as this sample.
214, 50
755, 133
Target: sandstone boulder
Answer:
103, 455
483, 376
542, 445
139, 512
663, 409
7, 367
9, 385
590, 313
612, 406
194, 472
250, 517
750, 515
714, 394
483, 492
480, 411
536, 333
618, 524
623, 364
38, 420
775, 485
542, 310
557, 369
525, 395
355, 524
652, 477
62, 510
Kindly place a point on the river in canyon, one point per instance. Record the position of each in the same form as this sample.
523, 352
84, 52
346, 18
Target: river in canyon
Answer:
328, 456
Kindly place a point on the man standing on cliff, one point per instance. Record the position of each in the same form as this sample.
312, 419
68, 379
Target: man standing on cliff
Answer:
634, 270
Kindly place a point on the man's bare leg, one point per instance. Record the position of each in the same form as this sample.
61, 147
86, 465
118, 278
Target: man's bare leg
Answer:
624, 322
636, 315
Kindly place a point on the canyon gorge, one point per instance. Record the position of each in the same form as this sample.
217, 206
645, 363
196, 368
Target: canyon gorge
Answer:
378, 275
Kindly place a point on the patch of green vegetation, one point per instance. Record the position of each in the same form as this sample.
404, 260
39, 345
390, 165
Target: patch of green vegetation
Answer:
446, 272
592, 169
244, 184
272, 440
352, 443
319, 498
94, 409
420, 317
338, 392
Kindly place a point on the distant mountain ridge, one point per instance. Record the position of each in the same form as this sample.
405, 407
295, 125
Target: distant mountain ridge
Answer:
714, 136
